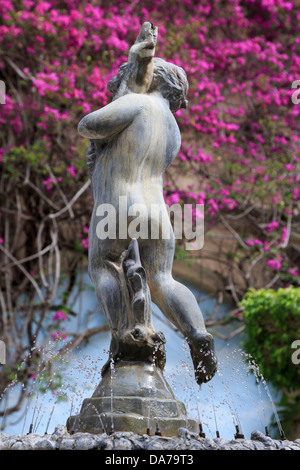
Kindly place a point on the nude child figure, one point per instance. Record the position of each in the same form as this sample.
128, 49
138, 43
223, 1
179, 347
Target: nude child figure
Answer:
133, 140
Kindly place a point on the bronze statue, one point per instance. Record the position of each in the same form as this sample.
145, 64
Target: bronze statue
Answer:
132, 142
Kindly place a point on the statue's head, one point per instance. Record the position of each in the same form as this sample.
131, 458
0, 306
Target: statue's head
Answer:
171, 81
168, 79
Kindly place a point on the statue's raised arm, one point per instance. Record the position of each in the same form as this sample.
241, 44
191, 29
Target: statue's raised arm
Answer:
139, 68
135, 76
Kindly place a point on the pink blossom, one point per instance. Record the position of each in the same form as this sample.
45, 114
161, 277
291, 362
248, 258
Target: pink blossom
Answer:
57, 335
48, 183
46, 82
295, 193
60, 315
294, 272
85, 243
42, 7
290, 166
71, 170
255, 241
115, 43
174, 198
229, 203
276, 198
274, 264
271, 226
203, 157
213, 208
284, 234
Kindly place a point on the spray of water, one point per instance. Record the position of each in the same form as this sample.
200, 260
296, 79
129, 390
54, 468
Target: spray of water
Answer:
86, 365
112, 377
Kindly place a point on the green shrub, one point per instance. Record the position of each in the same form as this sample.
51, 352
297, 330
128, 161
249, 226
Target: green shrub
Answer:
272, 324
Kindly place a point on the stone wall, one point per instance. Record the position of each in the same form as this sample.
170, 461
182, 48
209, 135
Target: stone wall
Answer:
184, 441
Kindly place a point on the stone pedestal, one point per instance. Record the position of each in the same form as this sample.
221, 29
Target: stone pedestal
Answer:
132, 396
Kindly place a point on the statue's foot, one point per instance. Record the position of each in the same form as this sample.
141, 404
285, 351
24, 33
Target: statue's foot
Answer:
203, 355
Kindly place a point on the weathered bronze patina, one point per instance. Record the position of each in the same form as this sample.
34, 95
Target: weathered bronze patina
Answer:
132, 142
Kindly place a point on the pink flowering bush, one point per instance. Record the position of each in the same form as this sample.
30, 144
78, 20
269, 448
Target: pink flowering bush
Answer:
240, 152
57, 330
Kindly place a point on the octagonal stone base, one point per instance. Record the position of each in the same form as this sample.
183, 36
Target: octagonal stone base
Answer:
132, 397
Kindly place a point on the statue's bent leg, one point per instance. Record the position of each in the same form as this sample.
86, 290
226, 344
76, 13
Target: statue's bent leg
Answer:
112, 303
179, 305
124, 297
108, 294
104, 269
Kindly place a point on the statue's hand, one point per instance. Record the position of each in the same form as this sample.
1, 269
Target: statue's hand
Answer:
138, 74
144, 46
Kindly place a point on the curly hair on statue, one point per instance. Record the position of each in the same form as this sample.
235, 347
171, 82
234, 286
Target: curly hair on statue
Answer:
168, 78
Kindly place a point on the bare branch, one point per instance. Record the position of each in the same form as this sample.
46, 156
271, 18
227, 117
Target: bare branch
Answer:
78, 338
60, 191
288, 234
39, 192
272, 282
39, 247
234, 233
231, 335
32, 257
72, 201
54, 236
242, 214
24, 271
